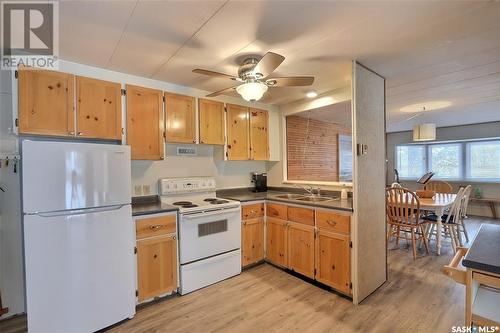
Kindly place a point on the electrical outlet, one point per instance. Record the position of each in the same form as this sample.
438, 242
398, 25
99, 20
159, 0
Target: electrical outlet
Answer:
146, 189
138, 190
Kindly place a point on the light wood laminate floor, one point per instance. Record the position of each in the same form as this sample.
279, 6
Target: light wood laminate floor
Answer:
416, 298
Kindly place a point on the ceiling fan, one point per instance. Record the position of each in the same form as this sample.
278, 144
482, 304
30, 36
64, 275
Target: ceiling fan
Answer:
253, 74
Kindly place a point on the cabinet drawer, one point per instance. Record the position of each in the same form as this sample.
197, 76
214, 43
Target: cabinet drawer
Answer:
301, 215
333, 221
276, 210
252, 211
155, 226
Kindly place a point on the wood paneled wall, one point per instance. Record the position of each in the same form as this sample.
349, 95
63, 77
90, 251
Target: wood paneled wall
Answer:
313, 149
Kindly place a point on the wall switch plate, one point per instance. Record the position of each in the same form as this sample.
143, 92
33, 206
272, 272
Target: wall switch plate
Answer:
146, 189
137, 189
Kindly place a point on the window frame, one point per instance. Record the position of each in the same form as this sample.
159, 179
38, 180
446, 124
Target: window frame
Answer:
284, 154
464, 172
467, 162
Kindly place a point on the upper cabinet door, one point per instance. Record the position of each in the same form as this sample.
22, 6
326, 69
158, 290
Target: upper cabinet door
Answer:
237, 132
211, 115
259, 138
46, 103
145, 130
181, 118
99, 109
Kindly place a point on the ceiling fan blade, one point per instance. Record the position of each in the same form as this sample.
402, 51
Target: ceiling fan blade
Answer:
293, 81
212, 73
217, 93
269, 62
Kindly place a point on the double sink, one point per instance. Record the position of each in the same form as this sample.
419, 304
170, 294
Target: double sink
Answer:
305, 198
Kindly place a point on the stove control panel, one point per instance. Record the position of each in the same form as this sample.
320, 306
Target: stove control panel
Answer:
186, 185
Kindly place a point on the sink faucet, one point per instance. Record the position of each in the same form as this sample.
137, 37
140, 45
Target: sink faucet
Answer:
311, 190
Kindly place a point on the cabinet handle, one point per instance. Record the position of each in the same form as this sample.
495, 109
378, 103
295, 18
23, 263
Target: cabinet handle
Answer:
155, 256
71, 133
331, 222
155, 227
194, 141
174, 237
244, 222
333, 267
79, 133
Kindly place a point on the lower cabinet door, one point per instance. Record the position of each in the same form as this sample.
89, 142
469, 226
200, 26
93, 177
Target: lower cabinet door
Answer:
156, 266
252, 241
333, 260
276, 245
301, 249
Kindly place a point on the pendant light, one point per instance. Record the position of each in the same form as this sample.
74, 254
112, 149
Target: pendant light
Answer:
424, 132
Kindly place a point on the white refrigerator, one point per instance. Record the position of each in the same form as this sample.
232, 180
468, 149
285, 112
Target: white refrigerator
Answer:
78, 235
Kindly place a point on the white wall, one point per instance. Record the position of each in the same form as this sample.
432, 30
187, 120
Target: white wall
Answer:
475, 131
228, 174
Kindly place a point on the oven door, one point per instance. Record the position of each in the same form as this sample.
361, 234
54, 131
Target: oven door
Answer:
205, 234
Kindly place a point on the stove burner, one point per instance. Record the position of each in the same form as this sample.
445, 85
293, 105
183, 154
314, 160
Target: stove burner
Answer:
210, 199
218, 202
182, 203
189, 206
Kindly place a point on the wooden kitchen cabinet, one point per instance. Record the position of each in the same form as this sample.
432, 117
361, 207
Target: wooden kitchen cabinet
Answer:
259, 136
333, 260
98, 109
211, 122
252, 241
156, 266
238, 145
46, 100
301, 249
247, 133
277, 241
156, 255
181, 118
145, 125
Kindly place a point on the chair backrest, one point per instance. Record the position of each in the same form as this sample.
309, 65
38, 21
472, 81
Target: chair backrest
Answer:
439, 186
455, 209
465, 200
395, 184
402, 206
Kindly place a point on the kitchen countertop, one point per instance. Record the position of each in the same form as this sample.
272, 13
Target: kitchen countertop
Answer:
148, 205
245, 195
484, 253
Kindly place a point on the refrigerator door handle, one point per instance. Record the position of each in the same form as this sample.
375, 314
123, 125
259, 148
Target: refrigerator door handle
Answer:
78, 211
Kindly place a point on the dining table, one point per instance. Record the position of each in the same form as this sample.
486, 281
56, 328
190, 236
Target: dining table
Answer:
438, 204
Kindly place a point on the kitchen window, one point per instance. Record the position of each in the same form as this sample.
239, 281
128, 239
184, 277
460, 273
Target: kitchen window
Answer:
445, 160
475, 160
411, 161
483, 160
319, 145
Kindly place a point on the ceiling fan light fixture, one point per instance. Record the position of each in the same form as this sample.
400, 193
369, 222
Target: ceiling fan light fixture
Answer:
251, 91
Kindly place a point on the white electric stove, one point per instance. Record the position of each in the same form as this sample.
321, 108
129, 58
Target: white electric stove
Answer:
209, 231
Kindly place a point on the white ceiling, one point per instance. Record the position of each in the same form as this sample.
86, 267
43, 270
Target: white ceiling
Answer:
427, 50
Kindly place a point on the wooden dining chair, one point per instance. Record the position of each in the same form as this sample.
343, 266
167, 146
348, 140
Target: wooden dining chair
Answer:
449, 221
438, 186
463, 214
403, 216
